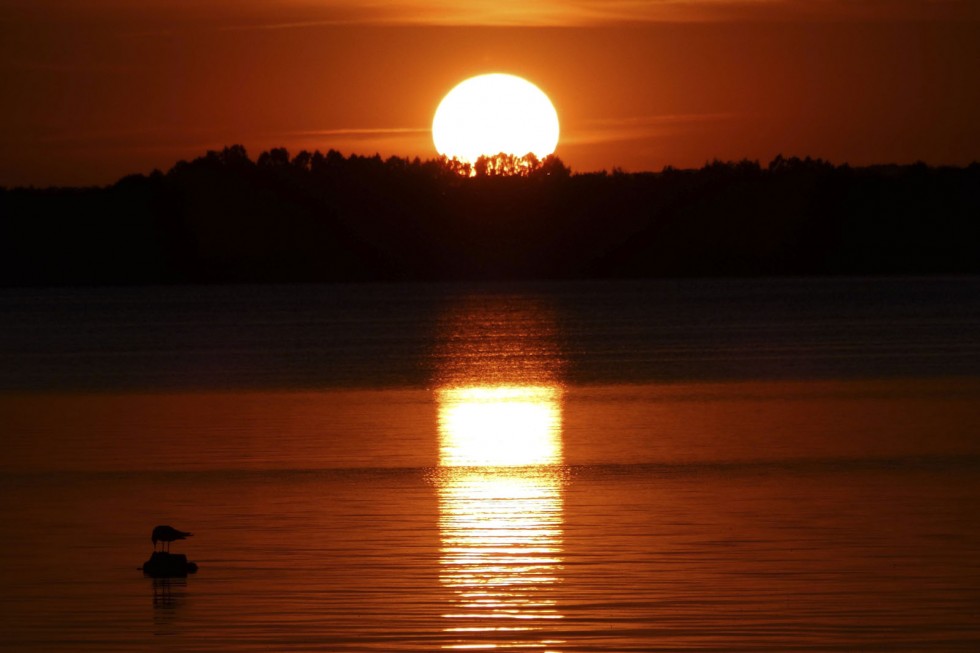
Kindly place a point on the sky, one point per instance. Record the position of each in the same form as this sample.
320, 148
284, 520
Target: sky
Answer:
97, 89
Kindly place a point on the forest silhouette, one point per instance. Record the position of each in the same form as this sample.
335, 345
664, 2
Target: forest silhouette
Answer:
314, 217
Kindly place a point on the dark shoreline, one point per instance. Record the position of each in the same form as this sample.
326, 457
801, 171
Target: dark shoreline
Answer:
317, 218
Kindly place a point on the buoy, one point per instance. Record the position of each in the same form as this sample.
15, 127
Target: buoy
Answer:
168, 565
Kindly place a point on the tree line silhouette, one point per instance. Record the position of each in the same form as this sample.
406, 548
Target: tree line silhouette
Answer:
326, 217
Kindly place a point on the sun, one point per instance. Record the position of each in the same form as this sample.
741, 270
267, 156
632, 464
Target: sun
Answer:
489, 114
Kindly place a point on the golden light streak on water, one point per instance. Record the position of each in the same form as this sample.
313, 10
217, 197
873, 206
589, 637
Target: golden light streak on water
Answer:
499, 426
500, 505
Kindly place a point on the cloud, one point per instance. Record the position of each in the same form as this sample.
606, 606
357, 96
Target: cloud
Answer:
358, 132
399, 141
585, 13
635, 128
293, 14
67, 67
151, 137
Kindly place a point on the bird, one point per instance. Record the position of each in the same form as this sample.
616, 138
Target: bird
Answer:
166, 535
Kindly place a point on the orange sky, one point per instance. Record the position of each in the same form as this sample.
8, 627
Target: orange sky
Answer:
95, 89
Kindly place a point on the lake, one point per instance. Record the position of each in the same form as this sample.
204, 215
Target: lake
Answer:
756, 465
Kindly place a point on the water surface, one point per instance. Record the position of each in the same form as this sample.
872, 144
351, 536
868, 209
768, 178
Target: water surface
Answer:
764, 465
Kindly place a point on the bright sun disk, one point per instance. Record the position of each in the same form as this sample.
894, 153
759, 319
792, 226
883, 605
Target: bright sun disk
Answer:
489, 114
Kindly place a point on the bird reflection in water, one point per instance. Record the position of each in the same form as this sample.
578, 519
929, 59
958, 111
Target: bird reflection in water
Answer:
500, 505
168, 593
168, 596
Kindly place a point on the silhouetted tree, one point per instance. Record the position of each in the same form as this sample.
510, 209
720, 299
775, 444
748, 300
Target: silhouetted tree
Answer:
456, 166
330, 217
277, 157
508, 165
302, 160
551, 167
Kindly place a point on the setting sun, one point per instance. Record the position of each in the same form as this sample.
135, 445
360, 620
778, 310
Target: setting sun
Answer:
493, 114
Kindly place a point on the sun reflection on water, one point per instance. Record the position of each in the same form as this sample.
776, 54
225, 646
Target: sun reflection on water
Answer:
500, 506
499, 426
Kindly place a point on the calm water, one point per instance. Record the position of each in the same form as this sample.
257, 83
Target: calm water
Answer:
629, 466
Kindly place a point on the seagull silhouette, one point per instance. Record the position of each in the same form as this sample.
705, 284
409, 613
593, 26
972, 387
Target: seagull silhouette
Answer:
167, 534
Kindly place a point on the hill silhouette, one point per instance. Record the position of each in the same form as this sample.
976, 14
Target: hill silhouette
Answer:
325, 217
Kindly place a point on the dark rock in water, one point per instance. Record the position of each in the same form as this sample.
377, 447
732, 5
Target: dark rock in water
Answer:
168, 565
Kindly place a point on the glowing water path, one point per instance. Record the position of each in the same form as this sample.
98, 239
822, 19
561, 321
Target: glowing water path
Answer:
500, 506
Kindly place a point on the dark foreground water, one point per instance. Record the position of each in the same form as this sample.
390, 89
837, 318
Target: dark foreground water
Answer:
757, 466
